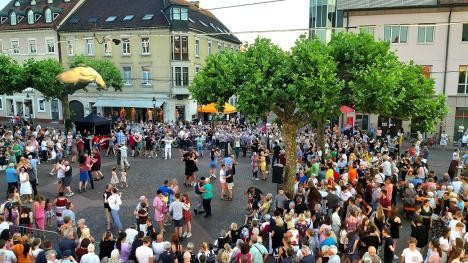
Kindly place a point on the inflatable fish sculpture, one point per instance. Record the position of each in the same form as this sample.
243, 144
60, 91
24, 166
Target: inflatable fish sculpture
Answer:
81, 75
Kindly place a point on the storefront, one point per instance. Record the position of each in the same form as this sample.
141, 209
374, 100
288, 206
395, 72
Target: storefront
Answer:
461, 123
131, 109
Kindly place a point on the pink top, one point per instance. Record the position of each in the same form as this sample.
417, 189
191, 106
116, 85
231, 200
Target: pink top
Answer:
158, 209
39, 212
352, 223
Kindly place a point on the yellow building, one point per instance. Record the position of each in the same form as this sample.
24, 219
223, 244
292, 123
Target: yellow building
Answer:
158, 45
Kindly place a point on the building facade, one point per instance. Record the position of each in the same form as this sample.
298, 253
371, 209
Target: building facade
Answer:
159, 46
28, 30
433, 34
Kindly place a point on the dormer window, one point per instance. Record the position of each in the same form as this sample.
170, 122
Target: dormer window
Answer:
13, 18
31, 19
50, 1
178, 13
17, 3
48, 15
66, 1
33, 2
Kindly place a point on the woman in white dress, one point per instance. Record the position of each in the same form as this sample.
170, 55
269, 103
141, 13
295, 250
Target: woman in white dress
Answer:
25, 188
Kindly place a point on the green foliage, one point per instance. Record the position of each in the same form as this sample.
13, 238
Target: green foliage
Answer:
11, 76
42, 77
314, 79
108, 71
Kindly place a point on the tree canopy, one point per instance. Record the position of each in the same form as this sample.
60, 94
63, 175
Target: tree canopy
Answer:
12, 77
311, 82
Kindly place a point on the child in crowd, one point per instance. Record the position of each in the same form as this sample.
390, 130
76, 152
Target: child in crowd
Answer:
114, 178
123, 177
49, 212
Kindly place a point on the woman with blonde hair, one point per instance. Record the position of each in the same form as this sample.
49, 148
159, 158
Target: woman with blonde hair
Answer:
85, 233
114, 257
233, 233
224, 255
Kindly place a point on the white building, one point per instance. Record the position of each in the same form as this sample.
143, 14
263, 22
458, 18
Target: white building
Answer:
433, 34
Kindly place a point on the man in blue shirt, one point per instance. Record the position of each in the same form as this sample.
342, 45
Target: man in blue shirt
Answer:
165, 189
11, 176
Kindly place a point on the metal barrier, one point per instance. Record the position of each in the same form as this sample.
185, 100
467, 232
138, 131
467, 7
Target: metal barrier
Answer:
52, 236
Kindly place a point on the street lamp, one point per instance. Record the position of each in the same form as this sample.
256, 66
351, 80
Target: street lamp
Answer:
154, 109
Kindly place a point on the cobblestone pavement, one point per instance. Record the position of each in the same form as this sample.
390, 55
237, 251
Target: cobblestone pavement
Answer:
146, 175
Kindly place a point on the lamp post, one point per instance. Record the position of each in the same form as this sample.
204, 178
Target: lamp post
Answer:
154, 108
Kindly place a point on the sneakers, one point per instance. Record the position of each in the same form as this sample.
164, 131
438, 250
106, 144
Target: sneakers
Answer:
188, 235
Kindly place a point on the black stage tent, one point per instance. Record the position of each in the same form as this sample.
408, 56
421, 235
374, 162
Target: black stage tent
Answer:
94, 124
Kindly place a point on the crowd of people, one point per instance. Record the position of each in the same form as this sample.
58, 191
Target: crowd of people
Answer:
350, 199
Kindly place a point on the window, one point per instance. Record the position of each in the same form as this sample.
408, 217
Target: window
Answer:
463, 79
127, 75
1, 104
30, 17
70, 47
146, 75
209, 48
203, 23
32, 46
367, 29
89, 47
50, 45
50, 1
128, 18
396, 34
184, 14
147, 17
426, 70
33, 2
111, 19
425, 34
465, 33
219, 47
175, 13
197, 68
125, 46
108, 48
17, 3
180, 76
13, 18
179, 47
48, 15
145, 46
197, 48
41, 105
15, 46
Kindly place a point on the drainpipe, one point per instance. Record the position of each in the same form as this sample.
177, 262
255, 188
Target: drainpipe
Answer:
447, 44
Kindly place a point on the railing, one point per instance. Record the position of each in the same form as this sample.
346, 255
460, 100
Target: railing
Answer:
52, 236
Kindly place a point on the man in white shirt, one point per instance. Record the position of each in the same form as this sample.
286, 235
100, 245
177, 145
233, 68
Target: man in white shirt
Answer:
144, 253
6, 255
114, 203
90, 257
158, 246
176, 210
411, 254
386, 166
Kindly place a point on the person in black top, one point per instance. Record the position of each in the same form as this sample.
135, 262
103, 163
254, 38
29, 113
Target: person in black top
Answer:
106, 245
419, 231
167, 256
136, 243
389, 250
107, 211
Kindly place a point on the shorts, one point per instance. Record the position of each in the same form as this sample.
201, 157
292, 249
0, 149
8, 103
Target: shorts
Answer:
178, 223
60, 180
230, 186
213, 164
133, 147
84, 176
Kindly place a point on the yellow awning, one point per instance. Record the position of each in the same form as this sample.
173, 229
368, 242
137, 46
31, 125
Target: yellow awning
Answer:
211, 108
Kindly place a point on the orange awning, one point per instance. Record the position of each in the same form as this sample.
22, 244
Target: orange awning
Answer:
211, 108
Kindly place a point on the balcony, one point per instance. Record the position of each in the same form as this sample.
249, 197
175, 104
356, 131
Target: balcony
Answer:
180, 90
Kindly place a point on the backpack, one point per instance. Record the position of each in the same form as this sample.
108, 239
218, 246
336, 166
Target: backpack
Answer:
197, 190
211, 257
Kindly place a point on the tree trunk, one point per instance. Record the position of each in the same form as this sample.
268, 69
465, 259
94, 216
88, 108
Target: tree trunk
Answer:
66, 111
289, 136
321, 133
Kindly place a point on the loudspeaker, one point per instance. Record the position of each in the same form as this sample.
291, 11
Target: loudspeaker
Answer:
277, 177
